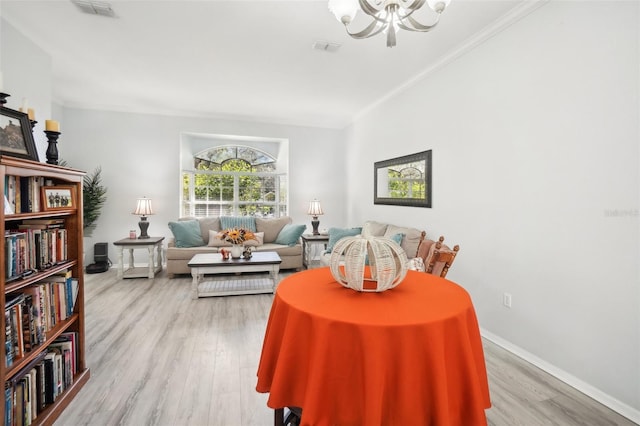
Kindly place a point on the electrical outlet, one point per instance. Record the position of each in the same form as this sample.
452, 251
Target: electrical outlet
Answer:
506, 300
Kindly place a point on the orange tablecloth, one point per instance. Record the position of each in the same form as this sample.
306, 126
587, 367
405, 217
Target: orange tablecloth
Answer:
407, 356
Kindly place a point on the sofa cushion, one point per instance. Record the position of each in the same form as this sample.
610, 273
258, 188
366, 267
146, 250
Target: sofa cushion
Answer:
258, 241
373, 229
336, 234
214, 241
290, 234
246, 222
209, 224
282, 250
186, 233
411, 240
186, 253
271, 227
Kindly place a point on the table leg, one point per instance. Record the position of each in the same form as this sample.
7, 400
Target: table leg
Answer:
151, 262
159, 265
278, 417
131, 262
274, 276
120, 262
196, 275
306, 251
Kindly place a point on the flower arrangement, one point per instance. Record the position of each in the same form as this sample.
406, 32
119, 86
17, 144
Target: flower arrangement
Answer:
236, 235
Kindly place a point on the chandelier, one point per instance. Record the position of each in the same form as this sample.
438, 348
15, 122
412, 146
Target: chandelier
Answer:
388, 16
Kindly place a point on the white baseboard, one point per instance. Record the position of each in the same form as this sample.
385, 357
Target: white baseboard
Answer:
603, 398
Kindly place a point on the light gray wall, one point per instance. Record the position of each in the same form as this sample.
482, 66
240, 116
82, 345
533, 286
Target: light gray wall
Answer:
26, 71
140, 156
535, 174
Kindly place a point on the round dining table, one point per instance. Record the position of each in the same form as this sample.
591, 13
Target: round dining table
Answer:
411, 355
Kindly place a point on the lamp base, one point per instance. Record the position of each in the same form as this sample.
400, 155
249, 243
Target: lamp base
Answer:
144, 225
315, 223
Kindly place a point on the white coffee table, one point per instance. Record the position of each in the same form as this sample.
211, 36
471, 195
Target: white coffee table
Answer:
213, 264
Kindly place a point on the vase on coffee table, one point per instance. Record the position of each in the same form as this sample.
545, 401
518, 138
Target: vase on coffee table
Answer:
236, 251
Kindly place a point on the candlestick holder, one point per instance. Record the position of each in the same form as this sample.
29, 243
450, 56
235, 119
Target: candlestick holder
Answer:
3, 98
52, 148
33, 124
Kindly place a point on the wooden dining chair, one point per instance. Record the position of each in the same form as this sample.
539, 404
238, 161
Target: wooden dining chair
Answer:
438, 257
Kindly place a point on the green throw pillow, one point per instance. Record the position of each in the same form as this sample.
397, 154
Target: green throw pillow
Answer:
335, 234
186, 233
290, 234
397, 238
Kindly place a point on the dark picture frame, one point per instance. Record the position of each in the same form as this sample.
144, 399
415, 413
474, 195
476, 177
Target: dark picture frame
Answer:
419, 175
59, 198
16, 135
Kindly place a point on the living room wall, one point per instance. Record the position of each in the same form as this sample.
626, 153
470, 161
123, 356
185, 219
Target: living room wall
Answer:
535, 175
140, 153
140, 156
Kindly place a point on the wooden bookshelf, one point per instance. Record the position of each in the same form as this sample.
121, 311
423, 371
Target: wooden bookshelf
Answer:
74, 322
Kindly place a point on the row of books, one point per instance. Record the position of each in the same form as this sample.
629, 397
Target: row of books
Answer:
35, 245
22, 193
41, 382
36, 309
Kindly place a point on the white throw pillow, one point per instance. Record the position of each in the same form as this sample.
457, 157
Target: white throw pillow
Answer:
373, 229
257, 242
214, 241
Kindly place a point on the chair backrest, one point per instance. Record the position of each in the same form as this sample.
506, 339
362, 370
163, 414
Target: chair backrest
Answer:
437, 256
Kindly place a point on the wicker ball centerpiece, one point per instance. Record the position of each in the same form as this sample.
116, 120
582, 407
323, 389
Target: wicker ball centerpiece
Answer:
387, 263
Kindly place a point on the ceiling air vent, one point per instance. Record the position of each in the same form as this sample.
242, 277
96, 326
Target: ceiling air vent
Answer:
326, 46
94, 7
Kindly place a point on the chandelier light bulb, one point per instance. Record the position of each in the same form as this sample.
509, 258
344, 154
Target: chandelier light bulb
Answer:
344, 10
438, 5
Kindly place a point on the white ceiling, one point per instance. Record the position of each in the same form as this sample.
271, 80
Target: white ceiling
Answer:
237, 59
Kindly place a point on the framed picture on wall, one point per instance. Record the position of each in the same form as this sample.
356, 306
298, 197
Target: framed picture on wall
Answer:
59, 198
16, 136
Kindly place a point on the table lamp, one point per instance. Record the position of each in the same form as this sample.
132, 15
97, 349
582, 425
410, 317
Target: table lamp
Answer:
315, 209
143, 209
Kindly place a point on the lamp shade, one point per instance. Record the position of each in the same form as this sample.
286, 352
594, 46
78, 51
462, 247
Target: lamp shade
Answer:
315, 209
143, 207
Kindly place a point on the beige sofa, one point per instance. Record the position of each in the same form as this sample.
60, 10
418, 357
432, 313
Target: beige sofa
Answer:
177, 258
410, 238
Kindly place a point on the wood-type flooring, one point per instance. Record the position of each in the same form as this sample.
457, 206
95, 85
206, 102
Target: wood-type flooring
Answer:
157, 357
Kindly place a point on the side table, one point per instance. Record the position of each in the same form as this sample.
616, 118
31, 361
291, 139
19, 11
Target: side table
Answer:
155, 257
308, 240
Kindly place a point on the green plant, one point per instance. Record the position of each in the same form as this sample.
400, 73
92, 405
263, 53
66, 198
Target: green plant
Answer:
94, 197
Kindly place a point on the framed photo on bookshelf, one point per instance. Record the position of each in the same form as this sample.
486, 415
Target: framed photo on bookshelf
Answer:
59, 198
16, 136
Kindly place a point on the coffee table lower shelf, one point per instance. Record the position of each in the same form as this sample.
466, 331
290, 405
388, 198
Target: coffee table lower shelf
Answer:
235, 286
234, 283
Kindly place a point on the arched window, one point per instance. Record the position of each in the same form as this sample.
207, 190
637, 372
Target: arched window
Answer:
234, 180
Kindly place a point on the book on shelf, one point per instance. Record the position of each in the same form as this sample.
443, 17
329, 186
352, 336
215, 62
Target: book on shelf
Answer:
16, 254
44, 221
32, 249
41, 226
36, 309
